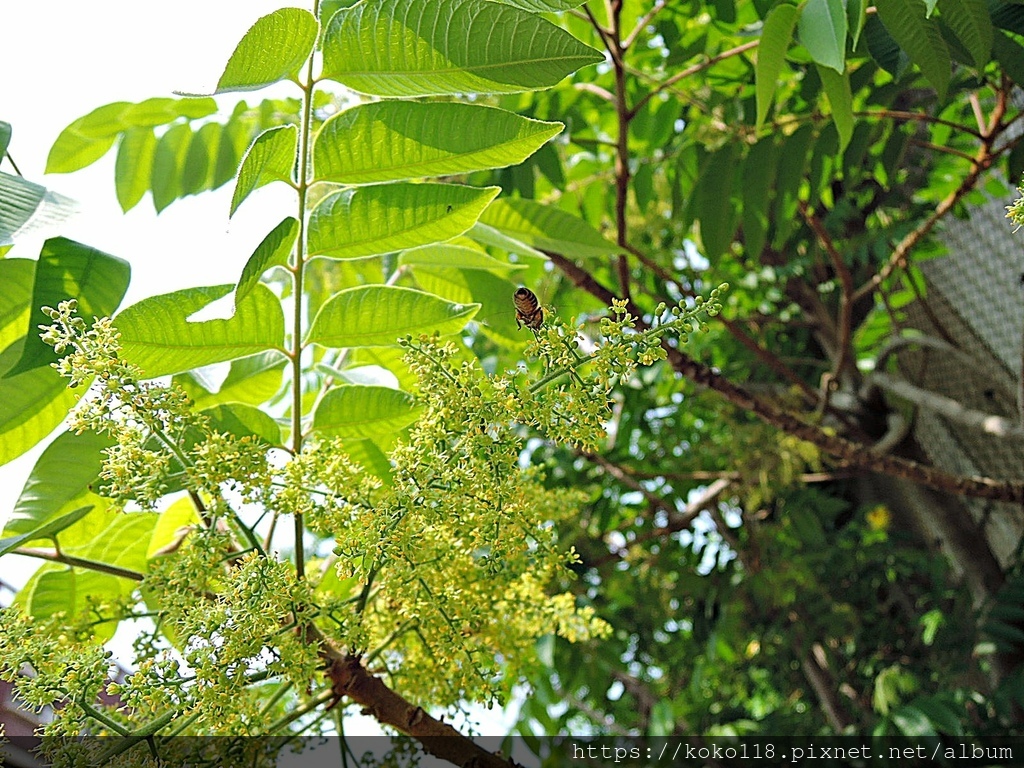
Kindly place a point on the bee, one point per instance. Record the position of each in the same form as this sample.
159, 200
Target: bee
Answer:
528, 309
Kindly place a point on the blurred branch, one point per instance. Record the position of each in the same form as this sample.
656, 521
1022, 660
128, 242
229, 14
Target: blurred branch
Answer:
854, 454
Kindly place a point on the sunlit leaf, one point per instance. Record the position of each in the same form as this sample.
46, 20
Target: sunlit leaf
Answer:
423, 48
134, 166
547, 228
64, 470
243, 420
270, 158
394, 140
157, 336
393, 217
272, 50
272, 251
378, 315
364, 411
47, 530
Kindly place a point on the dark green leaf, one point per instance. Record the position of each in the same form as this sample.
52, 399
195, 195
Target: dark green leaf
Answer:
775, 38
906, 21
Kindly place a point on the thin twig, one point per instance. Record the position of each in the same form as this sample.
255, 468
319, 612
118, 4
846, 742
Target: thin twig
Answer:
641, 25
845, 324
78, 562
692, 70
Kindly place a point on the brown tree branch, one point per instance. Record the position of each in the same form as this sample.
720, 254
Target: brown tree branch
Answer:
844, 327
350, 679
851, 453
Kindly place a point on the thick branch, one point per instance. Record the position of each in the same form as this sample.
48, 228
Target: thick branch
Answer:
948, 407
349, 678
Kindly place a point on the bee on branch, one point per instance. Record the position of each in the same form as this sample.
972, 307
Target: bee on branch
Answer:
528, 309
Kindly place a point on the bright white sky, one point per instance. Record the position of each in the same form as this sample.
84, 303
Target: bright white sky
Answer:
62, 59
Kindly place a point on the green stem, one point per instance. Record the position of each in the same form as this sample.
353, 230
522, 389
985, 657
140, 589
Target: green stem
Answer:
295, 714
297, 270
105, 721
77, 562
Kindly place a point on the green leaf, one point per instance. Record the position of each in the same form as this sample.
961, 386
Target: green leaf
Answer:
544, 6
1010, 55
395, 140
823, 32
972, 26
883, 48
840, 98
856, 13
758, 180
197, 171
272, 251
378, 315
243, 420
771, 53
5, 138
74, 592
157, 336
170, 526
69, 269
354, 411
372, 220
27, 207
134, 166
64, 470
168, 162
270, 158
34, 403
921, 39
547, 228
272, 50
425, 48
88, 138
487, 235
47, 530
16, 279
494, 294
792, 163
457, 255
713, 201
252, 380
